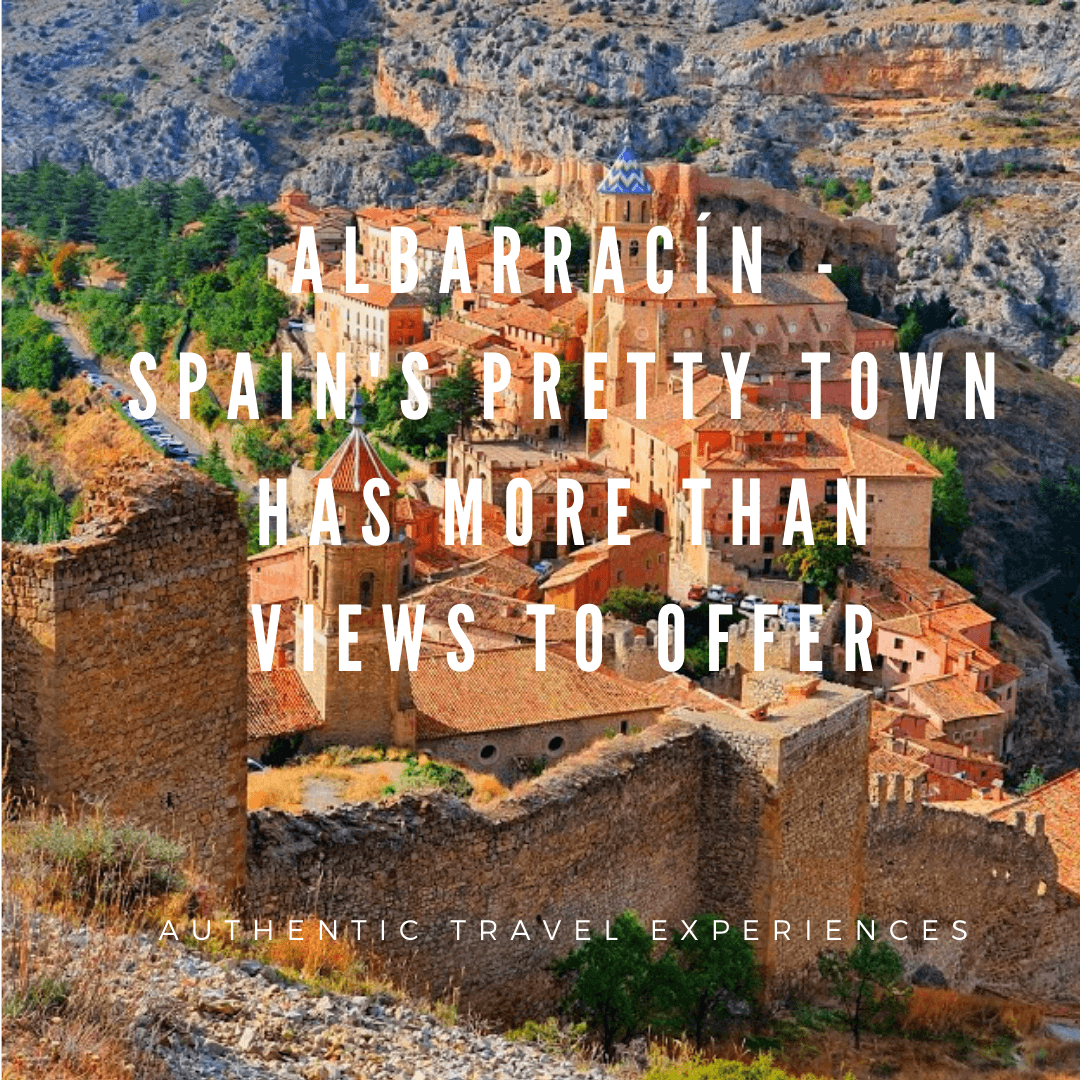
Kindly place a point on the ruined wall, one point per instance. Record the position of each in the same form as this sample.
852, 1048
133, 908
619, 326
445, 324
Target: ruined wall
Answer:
125, 670
927, 863
585, 842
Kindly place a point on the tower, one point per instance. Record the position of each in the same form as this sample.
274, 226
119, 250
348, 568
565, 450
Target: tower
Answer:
624, 202
371, 705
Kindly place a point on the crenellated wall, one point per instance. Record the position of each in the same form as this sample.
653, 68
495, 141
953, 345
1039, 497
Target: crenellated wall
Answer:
927, 863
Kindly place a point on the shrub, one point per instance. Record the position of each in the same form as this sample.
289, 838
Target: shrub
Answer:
33, 355
615, 985
866, 981
99, 862
637, 605
432, 775
430, 167
33, 511
761, 1068
718, 974
205, 409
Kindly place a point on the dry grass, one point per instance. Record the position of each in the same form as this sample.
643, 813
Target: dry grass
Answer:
60, 1020
360, 775
940, 1012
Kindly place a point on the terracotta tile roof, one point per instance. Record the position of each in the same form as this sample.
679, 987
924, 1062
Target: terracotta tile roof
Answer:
1059, 803
779, 289
284, 254
500, 572
960, 617
493, 611
504, 690
1005, 673
872, 455
409, 509
911, 625
278, 702
864, 322
469, 337
534, 320
950, 698
353, 464
885, 761
378, 294
919, 583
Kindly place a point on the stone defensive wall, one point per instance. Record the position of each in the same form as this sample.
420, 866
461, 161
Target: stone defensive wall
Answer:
703, 812
125, 662
924, 862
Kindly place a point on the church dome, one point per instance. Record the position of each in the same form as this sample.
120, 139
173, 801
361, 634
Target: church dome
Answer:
626, 176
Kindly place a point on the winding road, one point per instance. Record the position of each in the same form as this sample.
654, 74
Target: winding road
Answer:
86, 361
1057, 654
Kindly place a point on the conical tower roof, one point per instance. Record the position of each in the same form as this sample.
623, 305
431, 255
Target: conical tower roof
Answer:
626, 176
355, 461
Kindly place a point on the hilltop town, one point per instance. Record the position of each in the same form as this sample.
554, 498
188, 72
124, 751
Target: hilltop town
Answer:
777, 784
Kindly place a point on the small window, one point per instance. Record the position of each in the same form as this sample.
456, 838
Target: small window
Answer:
904, 667
624, 727
728, 332
488, 752
792, 327
633, 249
897, 643
556, 744
920, 655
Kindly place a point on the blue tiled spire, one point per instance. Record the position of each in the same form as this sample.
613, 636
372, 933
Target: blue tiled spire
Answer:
626, 176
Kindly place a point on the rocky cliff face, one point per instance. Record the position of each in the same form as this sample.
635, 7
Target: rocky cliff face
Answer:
254, 94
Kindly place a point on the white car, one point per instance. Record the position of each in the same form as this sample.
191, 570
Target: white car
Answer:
750, 602
717, 594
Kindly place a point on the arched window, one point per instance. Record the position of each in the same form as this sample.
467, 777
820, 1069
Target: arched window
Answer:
607, 209
633, 249
314, 583
626, 211
644, 210
367, 589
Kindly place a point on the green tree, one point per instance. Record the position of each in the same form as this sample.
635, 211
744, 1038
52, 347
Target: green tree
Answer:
819, 563
950, 511
461, 398
910, 332
33, 510
213, 464
849, 280
33, 355
1034, 778
865, 980
637, 605
615, 985
719, 972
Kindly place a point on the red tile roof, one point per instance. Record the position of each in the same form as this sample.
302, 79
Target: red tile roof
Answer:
278, 701
353, 464
504, 690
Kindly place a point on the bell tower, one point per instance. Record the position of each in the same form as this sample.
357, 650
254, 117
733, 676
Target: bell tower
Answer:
371, 705
624, 202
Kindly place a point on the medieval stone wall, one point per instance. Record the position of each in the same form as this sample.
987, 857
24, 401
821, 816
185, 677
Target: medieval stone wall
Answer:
125, 669
584, 843
925, 863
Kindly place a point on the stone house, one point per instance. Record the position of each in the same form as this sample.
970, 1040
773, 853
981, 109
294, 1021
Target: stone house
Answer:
471, 718
594, 570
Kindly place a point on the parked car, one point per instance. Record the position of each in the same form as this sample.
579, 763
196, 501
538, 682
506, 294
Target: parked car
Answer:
717, 594
789, 613
255, 766
748, 603
296, 324
697, 592
544, 567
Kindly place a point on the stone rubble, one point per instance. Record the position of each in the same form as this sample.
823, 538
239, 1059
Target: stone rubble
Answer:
241, 1020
